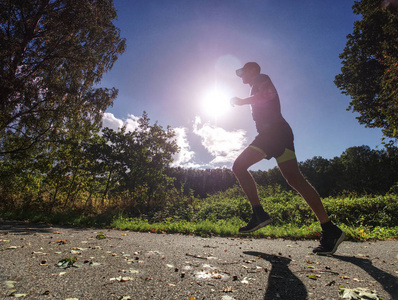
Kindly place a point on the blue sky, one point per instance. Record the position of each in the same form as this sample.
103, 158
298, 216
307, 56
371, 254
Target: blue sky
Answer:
179, 51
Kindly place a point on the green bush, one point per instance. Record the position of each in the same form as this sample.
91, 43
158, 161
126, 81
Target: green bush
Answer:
288, 207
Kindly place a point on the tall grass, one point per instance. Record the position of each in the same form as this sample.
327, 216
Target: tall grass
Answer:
363, 218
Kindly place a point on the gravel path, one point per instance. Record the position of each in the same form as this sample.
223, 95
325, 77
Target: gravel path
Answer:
131, 265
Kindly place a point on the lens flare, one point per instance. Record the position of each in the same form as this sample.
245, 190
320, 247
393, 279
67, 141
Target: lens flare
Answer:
215, 102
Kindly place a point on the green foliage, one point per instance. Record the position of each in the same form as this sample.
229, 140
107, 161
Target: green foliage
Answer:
370, 67
52, 53
287, 207
364, 211
123, 170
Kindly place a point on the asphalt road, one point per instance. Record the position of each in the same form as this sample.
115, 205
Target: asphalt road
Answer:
132, 265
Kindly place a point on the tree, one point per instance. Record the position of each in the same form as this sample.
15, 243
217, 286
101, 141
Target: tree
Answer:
52, 52
318, 171
370, 67
135, 162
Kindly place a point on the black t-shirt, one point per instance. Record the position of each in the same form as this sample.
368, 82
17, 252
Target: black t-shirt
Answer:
266, 110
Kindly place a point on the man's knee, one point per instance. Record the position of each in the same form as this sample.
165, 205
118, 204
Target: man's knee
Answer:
238, 168
295, 179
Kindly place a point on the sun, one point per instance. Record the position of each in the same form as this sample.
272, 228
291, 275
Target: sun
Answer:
215, 102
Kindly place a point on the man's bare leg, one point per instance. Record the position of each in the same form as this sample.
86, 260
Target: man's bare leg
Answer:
296, 180
332, 236
247, 158
240, 168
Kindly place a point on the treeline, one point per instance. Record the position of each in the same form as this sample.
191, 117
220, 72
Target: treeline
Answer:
359, 170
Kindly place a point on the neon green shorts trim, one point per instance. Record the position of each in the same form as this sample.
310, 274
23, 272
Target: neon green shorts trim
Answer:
286, 156
258, 150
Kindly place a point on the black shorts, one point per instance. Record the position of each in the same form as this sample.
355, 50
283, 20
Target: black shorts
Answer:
275, 141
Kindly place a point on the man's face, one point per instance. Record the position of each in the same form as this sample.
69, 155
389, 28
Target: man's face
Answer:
248, 76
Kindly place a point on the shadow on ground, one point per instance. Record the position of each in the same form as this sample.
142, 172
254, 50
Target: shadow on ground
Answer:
25, 228
388, 281
282, 283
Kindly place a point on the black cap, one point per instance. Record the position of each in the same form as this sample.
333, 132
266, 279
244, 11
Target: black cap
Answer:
247, 66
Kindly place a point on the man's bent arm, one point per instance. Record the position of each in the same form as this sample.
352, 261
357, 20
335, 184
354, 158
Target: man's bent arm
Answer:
244, 101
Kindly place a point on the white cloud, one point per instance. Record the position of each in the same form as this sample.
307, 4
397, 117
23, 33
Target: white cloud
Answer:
109, 120
185, 156
224, 145
131, 123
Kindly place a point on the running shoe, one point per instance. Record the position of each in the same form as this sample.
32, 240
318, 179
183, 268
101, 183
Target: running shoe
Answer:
329, 242
256, 222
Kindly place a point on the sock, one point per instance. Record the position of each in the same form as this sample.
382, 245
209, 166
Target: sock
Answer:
329, 226
258, 210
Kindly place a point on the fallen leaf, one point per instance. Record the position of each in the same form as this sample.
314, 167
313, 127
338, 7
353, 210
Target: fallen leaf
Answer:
121, 279
358, 294
19, 295
67, 262
226, 297
228, 289
331, 283
245, 281
79, 248
11, 247
100, 236
9, 284
126, 279
312, 276
132, 271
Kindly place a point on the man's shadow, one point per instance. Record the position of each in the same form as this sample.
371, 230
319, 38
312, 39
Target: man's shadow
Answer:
388, 281
282, 283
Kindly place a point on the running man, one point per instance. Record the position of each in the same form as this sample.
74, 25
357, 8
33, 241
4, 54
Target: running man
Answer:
275, 139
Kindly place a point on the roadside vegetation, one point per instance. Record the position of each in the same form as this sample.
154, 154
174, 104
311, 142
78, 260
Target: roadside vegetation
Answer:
221, 214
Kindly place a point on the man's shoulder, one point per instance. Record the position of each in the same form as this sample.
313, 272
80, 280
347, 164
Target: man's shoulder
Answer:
261, 78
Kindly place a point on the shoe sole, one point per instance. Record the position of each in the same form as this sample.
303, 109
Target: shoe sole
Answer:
265, 223
339, 241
